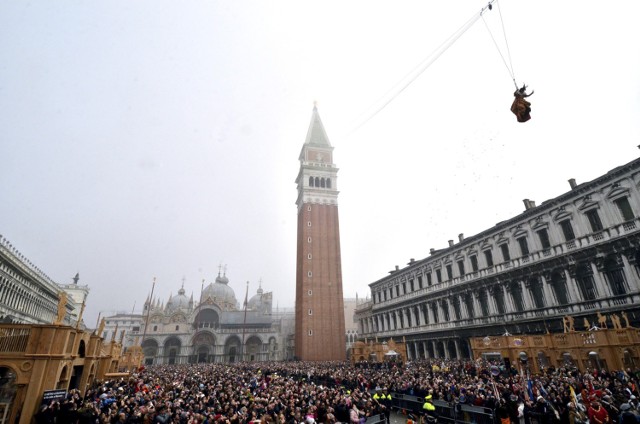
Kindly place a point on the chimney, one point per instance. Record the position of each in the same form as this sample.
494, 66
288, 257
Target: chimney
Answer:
532, 203
526, 204
412, 260
460, 237
432, 251
572, 183
450, 243
397, 267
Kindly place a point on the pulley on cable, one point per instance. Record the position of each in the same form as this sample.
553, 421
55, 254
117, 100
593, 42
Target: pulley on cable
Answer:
520, 106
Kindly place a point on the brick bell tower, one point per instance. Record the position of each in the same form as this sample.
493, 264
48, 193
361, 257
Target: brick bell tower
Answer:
320, 330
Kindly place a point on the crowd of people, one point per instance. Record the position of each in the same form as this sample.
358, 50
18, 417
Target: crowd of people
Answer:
341, 392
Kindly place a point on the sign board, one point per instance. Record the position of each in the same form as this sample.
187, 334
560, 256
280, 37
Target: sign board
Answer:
53, 395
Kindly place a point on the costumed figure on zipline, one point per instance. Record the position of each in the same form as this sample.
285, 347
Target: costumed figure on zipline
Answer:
521, 107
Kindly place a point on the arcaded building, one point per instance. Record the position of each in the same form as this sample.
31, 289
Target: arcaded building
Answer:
214, 327
575, 255
29, 296
320, 327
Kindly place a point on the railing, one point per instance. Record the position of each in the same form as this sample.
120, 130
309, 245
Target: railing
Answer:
14, 339
447, 412
554, 311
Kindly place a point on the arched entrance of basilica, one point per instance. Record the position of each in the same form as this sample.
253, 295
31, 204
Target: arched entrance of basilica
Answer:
150, 351
204, 347
232, 349
253, 349
172, 350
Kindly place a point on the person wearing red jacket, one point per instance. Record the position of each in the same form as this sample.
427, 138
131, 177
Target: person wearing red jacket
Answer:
597, 414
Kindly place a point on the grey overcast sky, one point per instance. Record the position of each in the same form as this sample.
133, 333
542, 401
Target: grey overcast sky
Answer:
143, 139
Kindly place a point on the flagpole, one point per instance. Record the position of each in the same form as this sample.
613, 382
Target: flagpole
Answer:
146, 325
244, 323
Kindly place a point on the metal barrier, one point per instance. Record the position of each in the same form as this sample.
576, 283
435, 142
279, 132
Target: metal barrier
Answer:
376, 419
447, 412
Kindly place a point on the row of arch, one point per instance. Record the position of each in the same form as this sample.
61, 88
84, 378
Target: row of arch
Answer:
320, 182
25, 297
205, 349
583, 282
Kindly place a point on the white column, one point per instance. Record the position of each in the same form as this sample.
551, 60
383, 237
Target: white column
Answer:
601, 285
549, 297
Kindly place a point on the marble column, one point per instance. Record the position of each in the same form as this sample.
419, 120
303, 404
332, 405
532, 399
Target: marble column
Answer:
602, 288
549, 297
526, 296
572, 288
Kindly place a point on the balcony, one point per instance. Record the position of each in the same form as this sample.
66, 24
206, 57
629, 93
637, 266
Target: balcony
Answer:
532, 315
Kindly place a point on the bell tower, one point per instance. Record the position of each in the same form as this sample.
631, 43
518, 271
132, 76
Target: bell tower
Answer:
320, 329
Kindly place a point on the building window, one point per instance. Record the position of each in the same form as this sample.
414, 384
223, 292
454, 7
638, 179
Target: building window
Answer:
469, 303
567, 230
456, 307
404, 287
594, 220
397, 290
614, 274
309, 208
311, 332
625, 208
516, 296
445, 311
461, 268
177, 327
498, 295
308, 239
310, 312
586, 284
155, 328
309, 292
505, 252
474, 263
484, 303
309, 274
328, 182
411, 285
524, 246
309, 256
543, 235
537, 293
310, 181
429, 282
488, 256
439, 275
308, 223
449, 272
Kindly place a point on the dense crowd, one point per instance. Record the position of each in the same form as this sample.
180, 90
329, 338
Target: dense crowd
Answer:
332, 392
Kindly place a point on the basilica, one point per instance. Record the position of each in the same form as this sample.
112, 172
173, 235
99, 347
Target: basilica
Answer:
213, 328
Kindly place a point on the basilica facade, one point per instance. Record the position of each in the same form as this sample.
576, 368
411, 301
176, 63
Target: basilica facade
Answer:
576, 256
213, 328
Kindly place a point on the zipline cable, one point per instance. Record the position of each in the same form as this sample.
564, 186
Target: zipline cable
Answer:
509, 66
421, 67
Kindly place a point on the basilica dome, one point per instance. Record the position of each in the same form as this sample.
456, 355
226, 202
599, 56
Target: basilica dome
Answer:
180, 301
220, 292
255, 303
